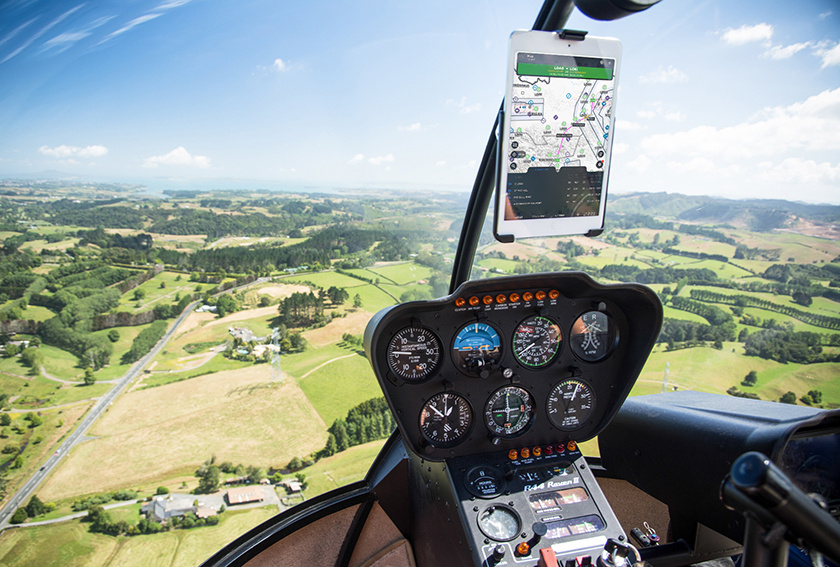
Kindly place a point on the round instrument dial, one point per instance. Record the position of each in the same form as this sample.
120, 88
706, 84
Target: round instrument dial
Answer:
593, 336
477, 349
414, 354
509, 411
500, 523
536, 341
570, 404
485, 482
446, 419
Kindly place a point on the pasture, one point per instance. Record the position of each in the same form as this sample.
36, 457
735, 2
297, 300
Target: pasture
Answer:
69, 544
152, 435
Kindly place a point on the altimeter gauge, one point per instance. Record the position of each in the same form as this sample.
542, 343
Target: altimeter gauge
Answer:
536, 341
570, 404
509, 411
414, 354
593, 336
445, 419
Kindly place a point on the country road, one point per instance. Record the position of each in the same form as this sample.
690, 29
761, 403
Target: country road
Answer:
79, 433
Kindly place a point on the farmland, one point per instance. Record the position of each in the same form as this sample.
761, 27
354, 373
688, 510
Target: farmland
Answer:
199, 398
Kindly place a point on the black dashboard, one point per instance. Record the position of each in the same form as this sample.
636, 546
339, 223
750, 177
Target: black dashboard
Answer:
525, 364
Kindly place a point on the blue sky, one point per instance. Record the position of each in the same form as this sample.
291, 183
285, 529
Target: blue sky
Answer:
738, 99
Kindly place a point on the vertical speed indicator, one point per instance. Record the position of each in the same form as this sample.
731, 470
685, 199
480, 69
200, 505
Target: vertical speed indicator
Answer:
414, 354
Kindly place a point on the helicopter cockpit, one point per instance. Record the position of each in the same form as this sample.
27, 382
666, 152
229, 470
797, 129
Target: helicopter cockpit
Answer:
493, 388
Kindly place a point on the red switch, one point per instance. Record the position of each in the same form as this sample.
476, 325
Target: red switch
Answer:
547, 558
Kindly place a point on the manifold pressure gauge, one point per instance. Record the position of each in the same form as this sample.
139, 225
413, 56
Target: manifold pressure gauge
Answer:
446, 419
414, 354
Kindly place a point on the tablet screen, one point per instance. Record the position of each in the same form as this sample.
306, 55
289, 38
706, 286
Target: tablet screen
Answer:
560, 116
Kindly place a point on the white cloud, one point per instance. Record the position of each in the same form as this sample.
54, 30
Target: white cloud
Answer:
463, 107
640, 164
132, 24
824, 15
441, 163
41, 32
798, 170
662, 75
830, 54
748, 34
785, 52
280, 65
63, 152
411, 127
628, 125
379, 160
66, 40
675, 116
811, 125
169, 4
646, 114
179, 157
358, 158
619, 148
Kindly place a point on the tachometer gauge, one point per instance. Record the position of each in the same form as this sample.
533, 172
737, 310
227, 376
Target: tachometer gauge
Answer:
593, 336
446, 419
570, 404
477, 348
414, 354
509, 411
536, 341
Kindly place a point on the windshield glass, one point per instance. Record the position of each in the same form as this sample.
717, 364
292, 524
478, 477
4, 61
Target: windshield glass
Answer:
203, 203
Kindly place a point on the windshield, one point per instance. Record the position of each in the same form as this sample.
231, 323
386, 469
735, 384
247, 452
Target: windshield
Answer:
202, 204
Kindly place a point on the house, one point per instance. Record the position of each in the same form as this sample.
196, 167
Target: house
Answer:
244, 495
161, 508
291, 485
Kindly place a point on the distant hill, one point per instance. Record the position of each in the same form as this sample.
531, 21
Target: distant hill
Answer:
754, 214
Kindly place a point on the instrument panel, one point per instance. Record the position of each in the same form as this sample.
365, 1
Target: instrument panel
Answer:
511, 362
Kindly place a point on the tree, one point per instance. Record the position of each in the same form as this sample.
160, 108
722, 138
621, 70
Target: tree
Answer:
788, 398
209, 479
35, 507
90, 379
113, 335
161, 490
816, 396
12, 350
139, 294
301, 478
19, 516
357, 301
5, 419
255, 474
750, 379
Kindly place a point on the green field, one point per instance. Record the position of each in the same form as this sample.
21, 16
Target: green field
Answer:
69, 544
339, 386
401, 274
342, 468
154, 294
709, 370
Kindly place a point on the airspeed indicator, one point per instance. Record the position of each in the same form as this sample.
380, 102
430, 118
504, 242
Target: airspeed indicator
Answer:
414, 354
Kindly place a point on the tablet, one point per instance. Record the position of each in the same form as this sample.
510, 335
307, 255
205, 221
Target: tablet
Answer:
556, 134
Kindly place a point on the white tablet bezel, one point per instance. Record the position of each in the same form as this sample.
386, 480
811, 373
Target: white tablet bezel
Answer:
551, 43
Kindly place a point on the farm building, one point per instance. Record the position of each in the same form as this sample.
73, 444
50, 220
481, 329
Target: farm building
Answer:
244, 495
161, 508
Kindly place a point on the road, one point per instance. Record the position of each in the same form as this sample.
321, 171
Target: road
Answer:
78, 434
